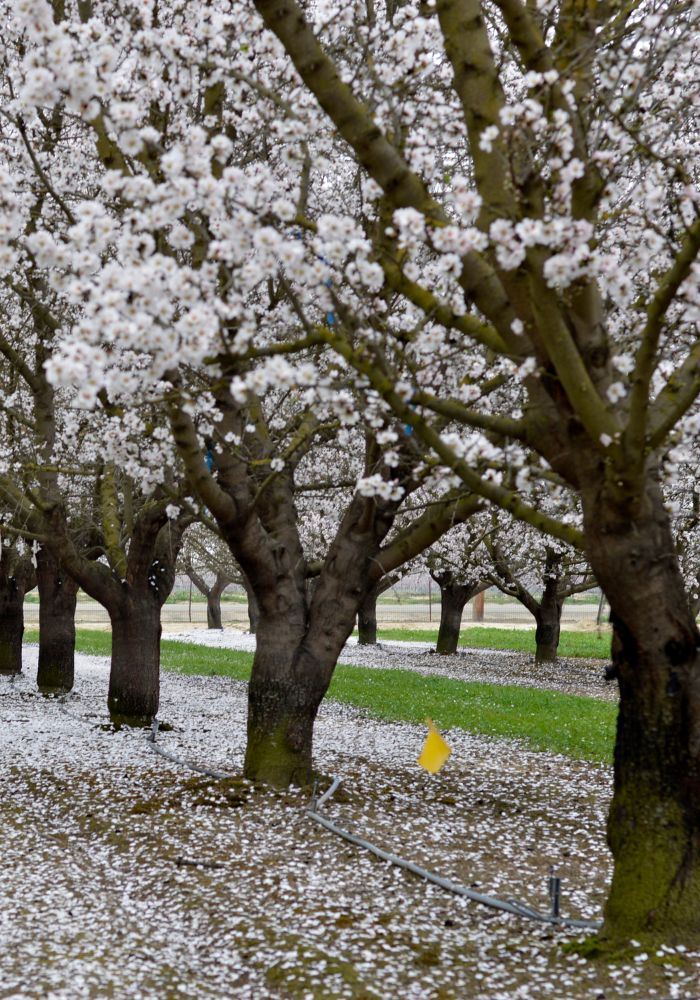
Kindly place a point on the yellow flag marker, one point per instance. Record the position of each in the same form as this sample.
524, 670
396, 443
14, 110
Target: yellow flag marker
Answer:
435, 752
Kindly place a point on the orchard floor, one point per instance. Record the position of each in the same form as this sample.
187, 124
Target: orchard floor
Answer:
125, 875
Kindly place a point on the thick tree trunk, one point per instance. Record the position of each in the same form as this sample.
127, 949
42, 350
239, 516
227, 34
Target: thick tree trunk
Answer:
654, 821
11, 626
57, 599
253, 606
134, 678
253, 614
367, 620
214, 609
548, 620
453, 598
286, 688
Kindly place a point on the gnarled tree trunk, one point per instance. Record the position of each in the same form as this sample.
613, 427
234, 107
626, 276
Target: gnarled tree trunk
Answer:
212, 594
17, 577
548, 619
302, 629
654, 821
367, 620
214, 601
285, 691
11, 625
214, 610
453, 598
253, 606
134, 677
57, 599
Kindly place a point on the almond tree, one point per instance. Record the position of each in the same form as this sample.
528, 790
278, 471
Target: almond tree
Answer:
525, 562
459, 565
543, 158
489, 211
171, 281
206, 559
32, 435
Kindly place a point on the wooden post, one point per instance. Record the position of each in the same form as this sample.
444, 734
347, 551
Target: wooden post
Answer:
478, 608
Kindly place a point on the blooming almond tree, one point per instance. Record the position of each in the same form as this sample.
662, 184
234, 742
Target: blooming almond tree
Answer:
165, 238
206, 560
525, 562
542, 159
308, 601
460, 566
490, 213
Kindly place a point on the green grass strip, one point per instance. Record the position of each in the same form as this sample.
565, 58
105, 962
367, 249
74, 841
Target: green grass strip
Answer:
180, 657
582, 728
585, 644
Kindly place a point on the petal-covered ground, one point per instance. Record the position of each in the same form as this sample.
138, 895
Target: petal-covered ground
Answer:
126, 875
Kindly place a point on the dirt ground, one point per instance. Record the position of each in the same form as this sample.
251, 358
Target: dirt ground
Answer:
126, 875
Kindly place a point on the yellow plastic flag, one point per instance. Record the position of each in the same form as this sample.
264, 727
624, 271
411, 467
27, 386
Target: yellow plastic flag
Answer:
435, 752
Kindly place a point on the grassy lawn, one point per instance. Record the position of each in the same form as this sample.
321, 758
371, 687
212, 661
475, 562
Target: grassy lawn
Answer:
582, 728
523, 640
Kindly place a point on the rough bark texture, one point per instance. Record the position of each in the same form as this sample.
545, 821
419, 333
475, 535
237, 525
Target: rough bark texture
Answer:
654, 821
11, 626
134, 677
132, 585
284, 694
17, 576
214, 609
548, 619
453, 598
253, 607
57, 599
212, 593
367, 620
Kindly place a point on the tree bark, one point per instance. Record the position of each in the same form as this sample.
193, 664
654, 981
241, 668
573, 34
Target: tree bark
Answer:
214, 609
253, 606
284, 694
654, 820
367, 620
58, 594
214, 601
11, 625
301, 632
453, 598
212, 594
548, 619
134, 678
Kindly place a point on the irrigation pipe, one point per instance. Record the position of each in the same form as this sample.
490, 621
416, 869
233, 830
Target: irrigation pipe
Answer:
178, 760
507, 906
